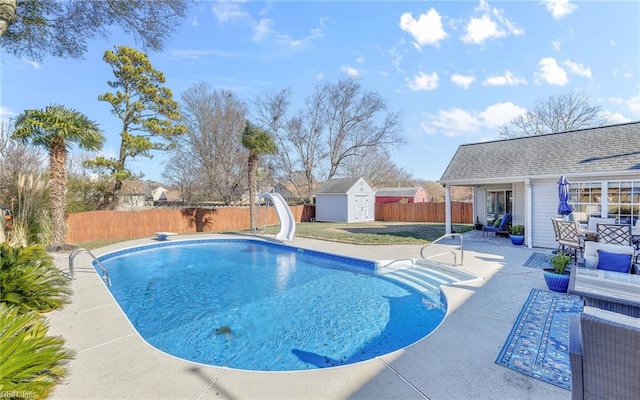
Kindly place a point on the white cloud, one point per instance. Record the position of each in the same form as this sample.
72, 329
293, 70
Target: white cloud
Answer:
615, 117
464, 81
360, 59
426, 30
34, 64
508, 79
550, 72
557, 45
290, 42
577, 69
228, 11
424, 81
559, 8
352, 72
500, 114
481, 29
481, 125
320, 76
452, 123
262, 29
395, 59
489, 25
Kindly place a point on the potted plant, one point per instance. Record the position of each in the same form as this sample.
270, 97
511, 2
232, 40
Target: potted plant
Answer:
557, 278
478, 225
516, 233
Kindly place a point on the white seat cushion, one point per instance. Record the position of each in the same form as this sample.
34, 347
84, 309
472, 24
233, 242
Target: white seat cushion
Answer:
591, 251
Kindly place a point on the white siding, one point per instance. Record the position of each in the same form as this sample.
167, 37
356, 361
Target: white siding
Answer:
332, 208
518, 210
544, 207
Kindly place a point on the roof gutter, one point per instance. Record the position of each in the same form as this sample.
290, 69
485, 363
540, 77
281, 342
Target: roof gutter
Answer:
509, 179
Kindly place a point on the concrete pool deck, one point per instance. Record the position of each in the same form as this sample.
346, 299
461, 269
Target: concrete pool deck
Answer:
457, 361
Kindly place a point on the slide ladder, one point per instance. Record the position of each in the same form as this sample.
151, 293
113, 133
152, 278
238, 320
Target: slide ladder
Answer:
287, 223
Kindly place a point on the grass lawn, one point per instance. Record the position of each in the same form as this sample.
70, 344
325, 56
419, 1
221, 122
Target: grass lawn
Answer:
372, 233
367, 233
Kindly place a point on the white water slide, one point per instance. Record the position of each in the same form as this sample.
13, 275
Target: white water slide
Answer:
287, 223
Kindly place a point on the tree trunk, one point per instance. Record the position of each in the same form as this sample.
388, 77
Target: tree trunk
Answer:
7, 14
58, 155
253, 188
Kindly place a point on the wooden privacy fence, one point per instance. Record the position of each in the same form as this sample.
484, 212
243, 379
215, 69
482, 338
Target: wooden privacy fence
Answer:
461, 213
103, 225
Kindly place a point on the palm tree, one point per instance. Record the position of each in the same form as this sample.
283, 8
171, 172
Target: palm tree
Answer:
56, 128
257, 141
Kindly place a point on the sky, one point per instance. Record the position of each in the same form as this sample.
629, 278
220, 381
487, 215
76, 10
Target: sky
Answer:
456, 71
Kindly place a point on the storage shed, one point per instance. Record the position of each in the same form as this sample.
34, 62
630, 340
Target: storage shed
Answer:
397, 194
345, 200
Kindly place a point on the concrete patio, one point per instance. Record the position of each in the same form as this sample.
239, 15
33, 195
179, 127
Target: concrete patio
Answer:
457, 361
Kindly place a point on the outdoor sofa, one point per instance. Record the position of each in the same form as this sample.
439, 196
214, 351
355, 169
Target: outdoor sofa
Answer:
604, 351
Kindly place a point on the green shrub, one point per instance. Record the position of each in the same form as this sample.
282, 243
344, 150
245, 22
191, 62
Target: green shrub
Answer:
29, 280
30, 362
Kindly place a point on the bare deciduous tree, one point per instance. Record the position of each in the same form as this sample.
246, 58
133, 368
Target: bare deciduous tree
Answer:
16, 158
215, 121
556, 114
339, 123
377, 168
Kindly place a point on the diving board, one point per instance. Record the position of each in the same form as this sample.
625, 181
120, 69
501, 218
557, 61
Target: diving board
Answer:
287, 223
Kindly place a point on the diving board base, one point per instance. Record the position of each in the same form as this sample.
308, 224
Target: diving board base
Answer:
164, 235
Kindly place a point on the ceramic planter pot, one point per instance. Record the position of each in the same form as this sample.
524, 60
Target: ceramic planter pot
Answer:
517, 239
556, 282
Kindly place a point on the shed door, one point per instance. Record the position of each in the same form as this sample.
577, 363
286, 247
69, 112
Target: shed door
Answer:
362, 208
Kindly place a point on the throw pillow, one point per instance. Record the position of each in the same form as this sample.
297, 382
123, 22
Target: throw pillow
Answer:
613, 261
497, 223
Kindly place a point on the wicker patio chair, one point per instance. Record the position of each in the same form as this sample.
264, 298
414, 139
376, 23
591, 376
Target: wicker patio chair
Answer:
604, 349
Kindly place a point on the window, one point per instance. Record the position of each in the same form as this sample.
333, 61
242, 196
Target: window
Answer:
498, 203
586, 197
623, 201
620, 199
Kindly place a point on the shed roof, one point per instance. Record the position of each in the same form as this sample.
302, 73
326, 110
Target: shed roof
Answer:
611, 148
337, 186
398, 191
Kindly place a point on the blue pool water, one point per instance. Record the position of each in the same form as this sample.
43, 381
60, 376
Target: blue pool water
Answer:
255, 305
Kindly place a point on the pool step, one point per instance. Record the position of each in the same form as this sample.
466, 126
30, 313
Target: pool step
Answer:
423, 280
426, 276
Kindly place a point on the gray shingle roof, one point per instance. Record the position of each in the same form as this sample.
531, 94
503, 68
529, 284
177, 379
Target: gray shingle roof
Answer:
604, 149
398, 191
337, 186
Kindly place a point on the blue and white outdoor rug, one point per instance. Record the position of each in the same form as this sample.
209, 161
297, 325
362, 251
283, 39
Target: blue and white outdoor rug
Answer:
538, 345
538, 260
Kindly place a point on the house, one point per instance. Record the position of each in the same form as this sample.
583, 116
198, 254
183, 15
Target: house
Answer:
521, 176
345, 200
161, 195
132, 196
395, 195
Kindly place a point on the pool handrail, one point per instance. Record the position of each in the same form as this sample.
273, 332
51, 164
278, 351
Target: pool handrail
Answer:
75, 252
447, 236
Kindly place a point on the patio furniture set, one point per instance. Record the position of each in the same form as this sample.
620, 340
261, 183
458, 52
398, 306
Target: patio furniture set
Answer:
604, 340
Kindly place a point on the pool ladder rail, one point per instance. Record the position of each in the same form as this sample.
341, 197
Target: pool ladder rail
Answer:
455, 256
75, 252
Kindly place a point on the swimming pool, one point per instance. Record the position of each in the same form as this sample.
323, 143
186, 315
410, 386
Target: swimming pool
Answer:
257, 305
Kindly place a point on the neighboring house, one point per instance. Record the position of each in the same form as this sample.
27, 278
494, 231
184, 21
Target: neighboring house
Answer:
395, 195
132, 196
345, 200
161, 195
520, 176
285, 190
